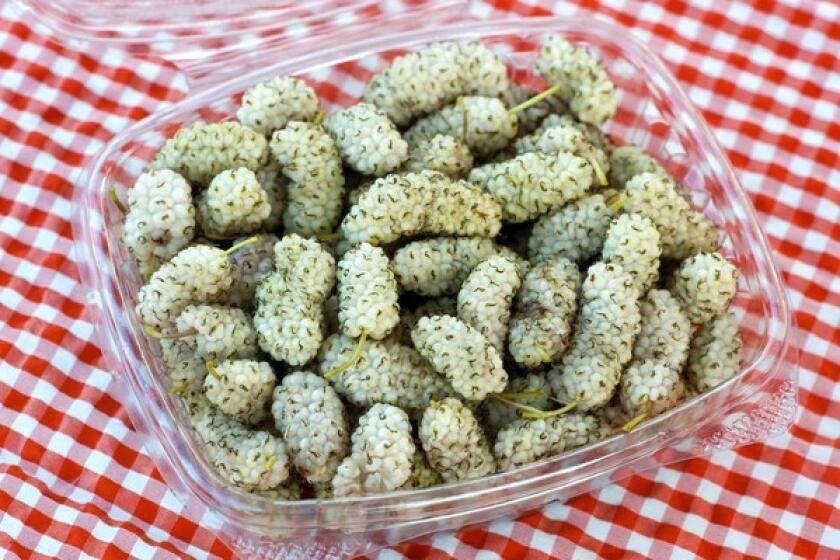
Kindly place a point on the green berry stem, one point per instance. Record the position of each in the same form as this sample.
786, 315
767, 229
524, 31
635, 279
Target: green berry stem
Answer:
319, 118
529, 394
244, 243
357, 353
634, 422
530, 415
599, 173
536, 99
154, 333
211, 369
112, 194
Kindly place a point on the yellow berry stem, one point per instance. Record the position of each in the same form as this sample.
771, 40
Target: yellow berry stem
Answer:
112, 194
599, 173
634, 422
211, 369
529, 394
357, 353
536, 99
244, 243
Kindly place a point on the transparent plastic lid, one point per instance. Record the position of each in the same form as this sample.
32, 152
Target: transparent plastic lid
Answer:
202, 37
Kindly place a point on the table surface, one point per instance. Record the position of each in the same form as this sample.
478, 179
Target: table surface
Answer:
75, 481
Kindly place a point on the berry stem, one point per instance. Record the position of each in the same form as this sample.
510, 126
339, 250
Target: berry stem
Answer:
464, 118
529, 394
599, 173
357, 353
536, 99
112, 194
154, 333
244, 243
616, 200
634, 422
211, 369
178, 389
544, 356
328, 237
546, 414
524, 408
319, 118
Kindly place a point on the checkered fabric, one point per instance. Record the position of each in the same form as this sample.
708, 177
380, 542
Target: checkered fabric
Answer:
75, 480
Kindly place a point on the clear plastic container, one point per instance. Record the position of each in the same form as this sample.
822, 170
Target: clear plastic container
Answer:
654, 113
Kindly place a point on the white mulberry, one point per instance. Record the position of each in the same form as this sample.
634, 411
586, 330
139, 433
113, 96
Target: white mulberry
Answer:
455, 445
217, 332
367, 293
367, 139
683, 231
233, 204
532, 184
289, 300
381, 456
311, 418
585, 85
715, 352
240, 388
704, 284
270, 105
633, 242
249, 265
545, 306
486, 296
198, 274
458, 351
160, 220
310, 159
442, 153
203, 150
482, 123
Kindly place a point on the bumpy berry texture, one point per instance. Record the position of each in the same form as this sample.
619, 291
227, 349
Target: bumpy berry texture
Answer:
593, 135
585, 86
683, 231
715, 353
486, 296
203, 150
604, 333
233, 204
310, 416
533, 390
545, 306
650, 388
530, 118
270, 105
442, 305
567, 137
184, 367
454, 443
628, 161
249, 265
420, 203
575, 232
423, 81
422, 473
386, 372
251, 459
160, 220
438, 266
275, 185
367, 293
287, 492
704, 285
290, 300
442, 153
530, 185
240, 388
198, 274
458, 351
632, 241
367, 139
482, 123
665, 331
217, 332
382, 454
524, 441
310, 159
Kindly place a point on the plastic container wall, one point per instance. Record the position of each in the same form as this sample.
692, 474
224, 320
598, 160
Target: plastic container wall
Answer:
654, 113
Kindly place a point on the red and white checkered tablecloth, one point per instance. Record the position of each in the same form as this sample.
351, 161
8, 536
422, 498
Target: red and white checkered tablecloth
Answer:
75, 480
